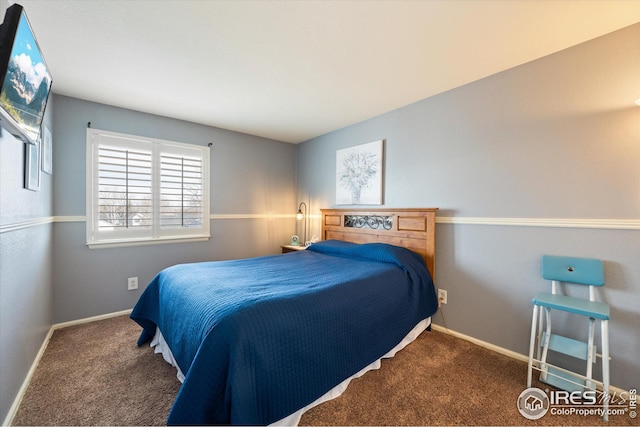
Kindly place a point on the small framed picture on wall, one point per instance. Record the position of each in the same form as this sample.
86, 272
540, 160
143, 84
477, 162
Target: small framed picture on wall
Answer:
46, 151
32, 166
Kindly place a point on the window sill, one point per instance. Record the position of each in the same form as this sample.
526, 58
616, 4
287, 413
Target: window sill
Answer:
144, 242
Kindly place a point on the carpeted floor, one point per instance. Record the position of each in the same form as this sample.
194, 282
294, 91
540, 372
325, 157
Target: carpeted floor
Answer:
94, 374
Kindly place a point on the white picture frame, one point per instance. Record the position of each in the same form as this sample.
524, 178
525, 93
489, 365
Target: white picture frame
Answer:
32, 166
47, 151
359, 173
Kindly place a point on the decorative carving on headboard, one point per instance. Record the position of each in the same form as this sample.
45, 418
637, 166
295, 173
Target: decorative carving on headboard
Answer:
369, 221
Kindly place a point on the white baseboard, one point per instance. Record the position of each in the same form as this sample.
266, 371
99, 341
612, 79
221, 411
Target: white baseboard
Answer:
90, 319
25, 384
489, 346
23, 389
503, 351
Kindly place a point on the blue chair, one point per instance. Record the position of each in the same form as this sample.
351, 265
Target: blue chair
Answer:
578, 271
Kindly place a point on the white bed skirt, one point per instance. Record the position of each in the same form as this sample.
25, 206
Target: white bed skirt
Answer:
160, 346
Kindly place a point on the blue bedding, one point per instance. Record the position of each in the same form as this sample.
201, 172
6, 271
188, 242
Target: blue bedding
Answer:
260, 338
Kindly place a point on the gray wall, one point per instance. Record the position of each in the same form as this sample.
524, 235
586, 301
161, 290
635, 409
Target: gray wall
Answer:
558, 137
47, 273
25, 267
252, 191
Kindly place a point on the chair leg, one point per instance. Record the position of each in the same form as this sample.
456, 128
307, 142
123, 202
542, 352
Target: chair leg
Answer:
539, 335
532, 344
545, 345
590, 355
605, 367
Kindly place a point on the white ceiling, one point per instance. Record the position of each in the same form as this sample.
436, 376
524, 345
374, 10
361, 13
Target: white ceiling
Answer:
293, 70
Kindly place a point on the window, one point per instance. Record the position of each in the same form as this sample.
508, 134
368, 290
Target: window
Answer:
142, 190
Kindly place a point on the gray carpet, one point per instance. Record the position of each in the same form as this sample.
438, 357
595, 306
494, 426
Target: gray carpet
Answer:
94, 374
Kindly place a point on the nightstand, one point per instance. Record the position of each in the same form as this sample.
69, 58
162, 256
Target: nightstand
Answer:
291, 248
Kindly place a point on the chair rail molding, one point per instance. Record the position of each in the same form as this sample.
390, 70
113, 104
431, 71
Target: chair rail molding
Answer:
614, 224
594, 223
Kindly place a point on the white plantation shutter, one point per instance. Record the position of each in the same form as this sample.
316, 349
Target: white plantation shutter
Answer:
141, 190
181, 189
124, 185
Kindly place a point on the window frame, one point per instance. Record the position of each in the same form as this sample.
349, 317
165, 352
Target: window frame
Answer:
155, 233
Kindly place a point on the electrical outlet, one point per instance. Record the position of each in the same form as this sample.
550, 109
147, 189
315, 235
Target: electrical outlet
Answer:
132, 283
442, 296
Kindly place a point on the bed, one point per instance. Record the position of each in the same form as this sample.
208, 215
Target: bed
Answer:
258, 341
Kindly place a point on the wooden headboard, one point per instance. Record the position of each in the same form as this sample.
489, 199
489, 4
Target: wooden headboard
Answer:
411, 228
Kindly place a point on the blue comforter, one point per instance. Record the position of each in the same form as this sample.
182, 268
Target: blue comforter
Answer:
260, 338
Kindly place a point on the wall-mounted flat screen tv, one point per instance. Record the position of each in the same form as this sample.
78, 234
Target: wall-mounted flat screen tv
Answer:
24, 77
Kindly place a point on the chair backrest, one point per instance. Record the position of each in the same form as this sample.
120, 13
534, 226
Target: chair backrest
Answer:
579, 271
